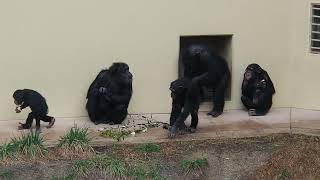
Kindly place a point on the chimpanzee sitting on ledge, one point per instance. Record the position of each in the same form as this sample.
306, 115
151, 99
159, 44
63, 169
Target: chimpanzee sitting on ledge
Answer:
257, 90
185, 101
109, 95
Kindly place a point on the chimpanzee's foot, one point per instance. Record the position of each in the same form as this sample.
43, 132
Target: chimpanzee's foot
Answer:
23, 126
214, 113
51, 123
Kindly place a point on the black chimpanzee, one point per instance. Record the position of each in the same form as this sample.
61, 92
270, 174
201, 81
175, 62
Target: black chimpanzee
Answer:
257, 90
109, 95
39, 109
207, 70
185, 101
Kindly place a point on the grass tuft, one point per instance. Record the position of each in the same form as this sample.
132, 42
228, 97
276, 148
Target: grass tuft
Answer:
76, 143
194, 165
29, 145
148, 147
144, 172
117, 168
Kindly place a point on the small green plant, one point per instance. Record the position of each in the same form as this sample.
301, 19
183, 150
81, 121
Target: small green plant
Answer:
148, 147
76, 141
6, 175
30, 144
118, 135
143, 172
8, 150
193, 165
284, 174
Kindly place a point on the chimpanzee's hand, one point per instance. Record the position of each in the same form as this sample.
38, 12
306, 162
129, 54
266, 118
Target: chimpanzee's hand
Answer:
173, 131
18, 110
261, 84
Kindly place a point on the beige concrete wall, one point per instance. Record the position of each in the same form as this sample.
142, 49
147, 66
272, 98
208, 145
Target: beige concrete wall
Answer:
305, 67
58, 47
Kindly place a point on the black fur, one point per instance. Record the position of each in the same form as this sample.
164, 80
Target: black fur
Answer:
185, 101
37, 103
109, 95
257, 90
207, 70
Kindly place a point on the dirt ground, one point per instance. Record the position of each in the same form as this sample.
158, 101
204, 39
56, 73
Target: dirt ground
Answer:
280, 156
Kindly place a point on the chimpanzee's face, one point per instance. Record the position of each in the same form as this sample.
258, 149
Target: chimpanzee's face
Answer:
252, 72
121, 72
249, 75
125, 75
176, 91
18, 97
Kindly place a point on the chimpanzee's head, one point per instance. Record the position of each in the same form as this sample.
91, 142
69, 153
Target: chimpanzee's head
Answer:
252, 71
191, 57
179, 88
18, 97
120, 71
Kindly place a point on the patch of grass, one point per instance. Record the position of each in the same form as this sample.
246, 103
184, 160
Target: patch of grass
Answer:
81, 167
143, 172
6, 175
116, 134
194, 165
30, 145
138, 173
67, 177
117, 168
8, 150
148, 147
76, 142
106, 164
283, 175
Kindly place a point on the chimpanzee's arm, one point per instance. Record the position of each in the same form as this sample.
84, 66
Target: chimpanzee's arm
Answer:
175, 112
24, 105
95, 85
121, 98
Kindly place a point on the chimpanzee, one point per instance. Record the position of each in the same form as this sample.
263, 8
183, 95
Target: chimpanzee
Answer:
185, 101
109, 95
207, 69
257, 90
39, 109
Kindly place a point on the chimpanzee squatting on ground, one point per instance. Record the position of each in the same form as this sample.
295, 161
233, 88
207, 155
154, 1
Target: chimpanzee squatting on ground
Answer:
208, 70
39, 109
185, 101
257, 90
109, 95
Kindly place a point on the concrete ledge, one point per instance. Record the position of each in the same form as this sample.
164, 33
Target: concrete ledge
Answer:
232, 124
